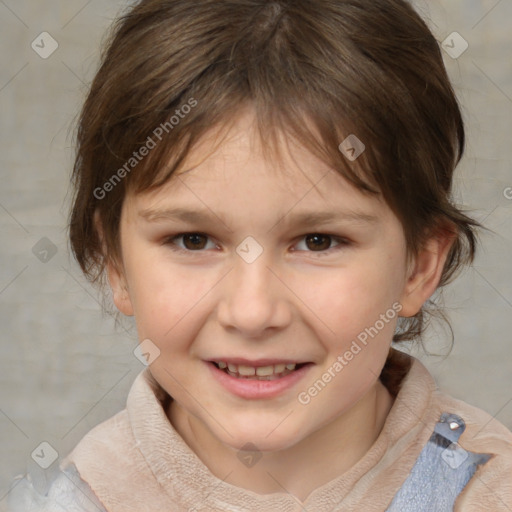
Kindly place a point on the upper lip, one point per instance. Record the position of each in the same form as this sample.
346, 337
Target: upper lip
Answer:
255, 362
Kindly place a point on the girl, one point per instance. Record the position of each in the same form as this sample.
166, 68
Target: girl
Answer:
266, 186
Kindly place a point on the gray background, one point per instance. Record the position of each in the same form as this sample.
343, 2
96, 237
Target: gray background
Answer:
65, 366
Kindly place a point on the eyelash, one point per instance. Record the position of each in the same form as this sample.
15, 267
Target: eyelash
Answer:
342, 242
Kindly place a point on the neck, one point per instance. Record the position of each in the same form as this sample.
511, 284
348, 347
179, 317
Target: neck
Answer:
332, 450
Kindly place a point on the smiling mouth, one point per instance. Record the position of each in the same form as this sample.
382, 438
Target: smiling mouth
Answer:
269, 372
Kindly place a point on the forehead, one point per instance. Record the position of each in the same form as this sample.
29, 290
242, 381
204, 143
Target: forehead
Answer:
228, 178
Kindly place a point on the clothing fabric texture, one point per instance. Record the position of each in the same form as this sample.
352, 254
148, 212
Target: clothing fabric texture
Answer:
433, 453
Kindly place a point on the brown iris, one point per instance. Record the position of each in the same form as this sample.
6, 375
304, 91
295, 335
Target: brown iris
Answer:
195, 241
316, 239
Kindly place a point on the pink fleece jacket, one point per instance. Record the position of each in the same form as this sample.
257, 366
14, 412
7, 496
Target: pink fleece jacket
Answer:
137, 462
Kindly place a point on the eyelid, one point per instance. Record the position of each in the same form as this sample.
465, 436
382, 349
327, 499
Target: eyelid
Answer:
341, 242
169, 240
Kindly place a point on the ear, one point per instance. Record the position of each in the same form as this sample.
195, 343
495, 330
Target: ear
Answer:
426, 271
115, 274
120, 293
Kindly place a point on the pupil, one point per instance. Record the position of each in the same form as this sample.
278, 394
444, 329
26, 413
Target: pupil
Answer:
315, 238
194, 239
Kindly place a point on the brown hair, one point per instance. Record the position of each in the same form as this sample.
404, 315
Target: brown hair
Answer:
316, 70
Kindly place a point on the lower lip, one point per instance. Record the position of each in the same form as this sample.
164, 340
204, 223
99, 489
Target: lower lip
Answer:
253, 389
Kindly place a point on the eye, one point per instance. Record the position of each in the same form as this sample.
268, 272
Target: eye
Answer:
319, 242
197, 242
191, 242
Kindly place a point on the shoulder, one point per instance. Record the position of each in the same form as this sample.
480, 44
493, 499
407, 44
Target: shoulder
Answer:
110, 442
66, 493
490, 488
472, 449
482, 431
69, 490
104, 464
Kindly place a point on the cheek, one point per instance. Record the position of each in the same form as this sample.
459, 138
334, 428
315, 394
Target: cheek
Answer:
347, 300
165, 299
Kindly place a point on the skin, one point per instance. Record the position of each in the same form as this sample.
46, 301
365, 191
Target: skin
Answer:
295, 301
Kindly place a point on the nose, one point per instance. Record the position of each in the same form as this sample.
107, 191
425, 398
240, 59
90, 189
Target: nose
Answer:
254, 299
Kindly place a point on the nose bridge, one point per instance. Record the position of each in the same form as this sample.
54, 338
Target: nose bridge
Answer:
253, 278
252, 283
253, 299
252, 261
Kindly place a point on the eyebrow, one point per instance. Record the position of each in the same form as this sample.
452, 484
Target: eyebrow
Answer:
303, 219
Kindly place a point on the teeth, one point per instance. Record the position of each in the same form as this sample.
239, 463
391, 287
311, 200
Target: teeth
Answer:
247, 370
264, 371
260, 371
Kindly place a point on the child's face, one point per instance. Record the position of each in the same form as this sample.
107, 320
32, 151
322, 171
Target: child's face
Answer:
302, 300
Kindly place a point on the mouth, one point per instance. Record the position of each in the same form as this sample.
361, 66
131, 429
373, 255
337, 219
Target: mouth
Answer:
264, 379
258, 372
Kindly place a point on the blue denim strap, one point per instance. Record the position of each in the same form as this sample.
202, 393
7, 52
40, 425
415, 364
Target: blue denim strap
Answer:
441, 471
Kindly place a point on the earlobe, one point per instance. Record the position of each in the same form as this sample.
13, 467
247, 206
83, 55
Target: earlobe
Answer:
115, 276
426, 273
120, 293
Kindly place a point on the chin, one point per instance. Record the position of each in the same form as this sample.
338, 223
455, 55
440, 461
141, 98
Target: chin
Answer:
263, 438
260, 444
